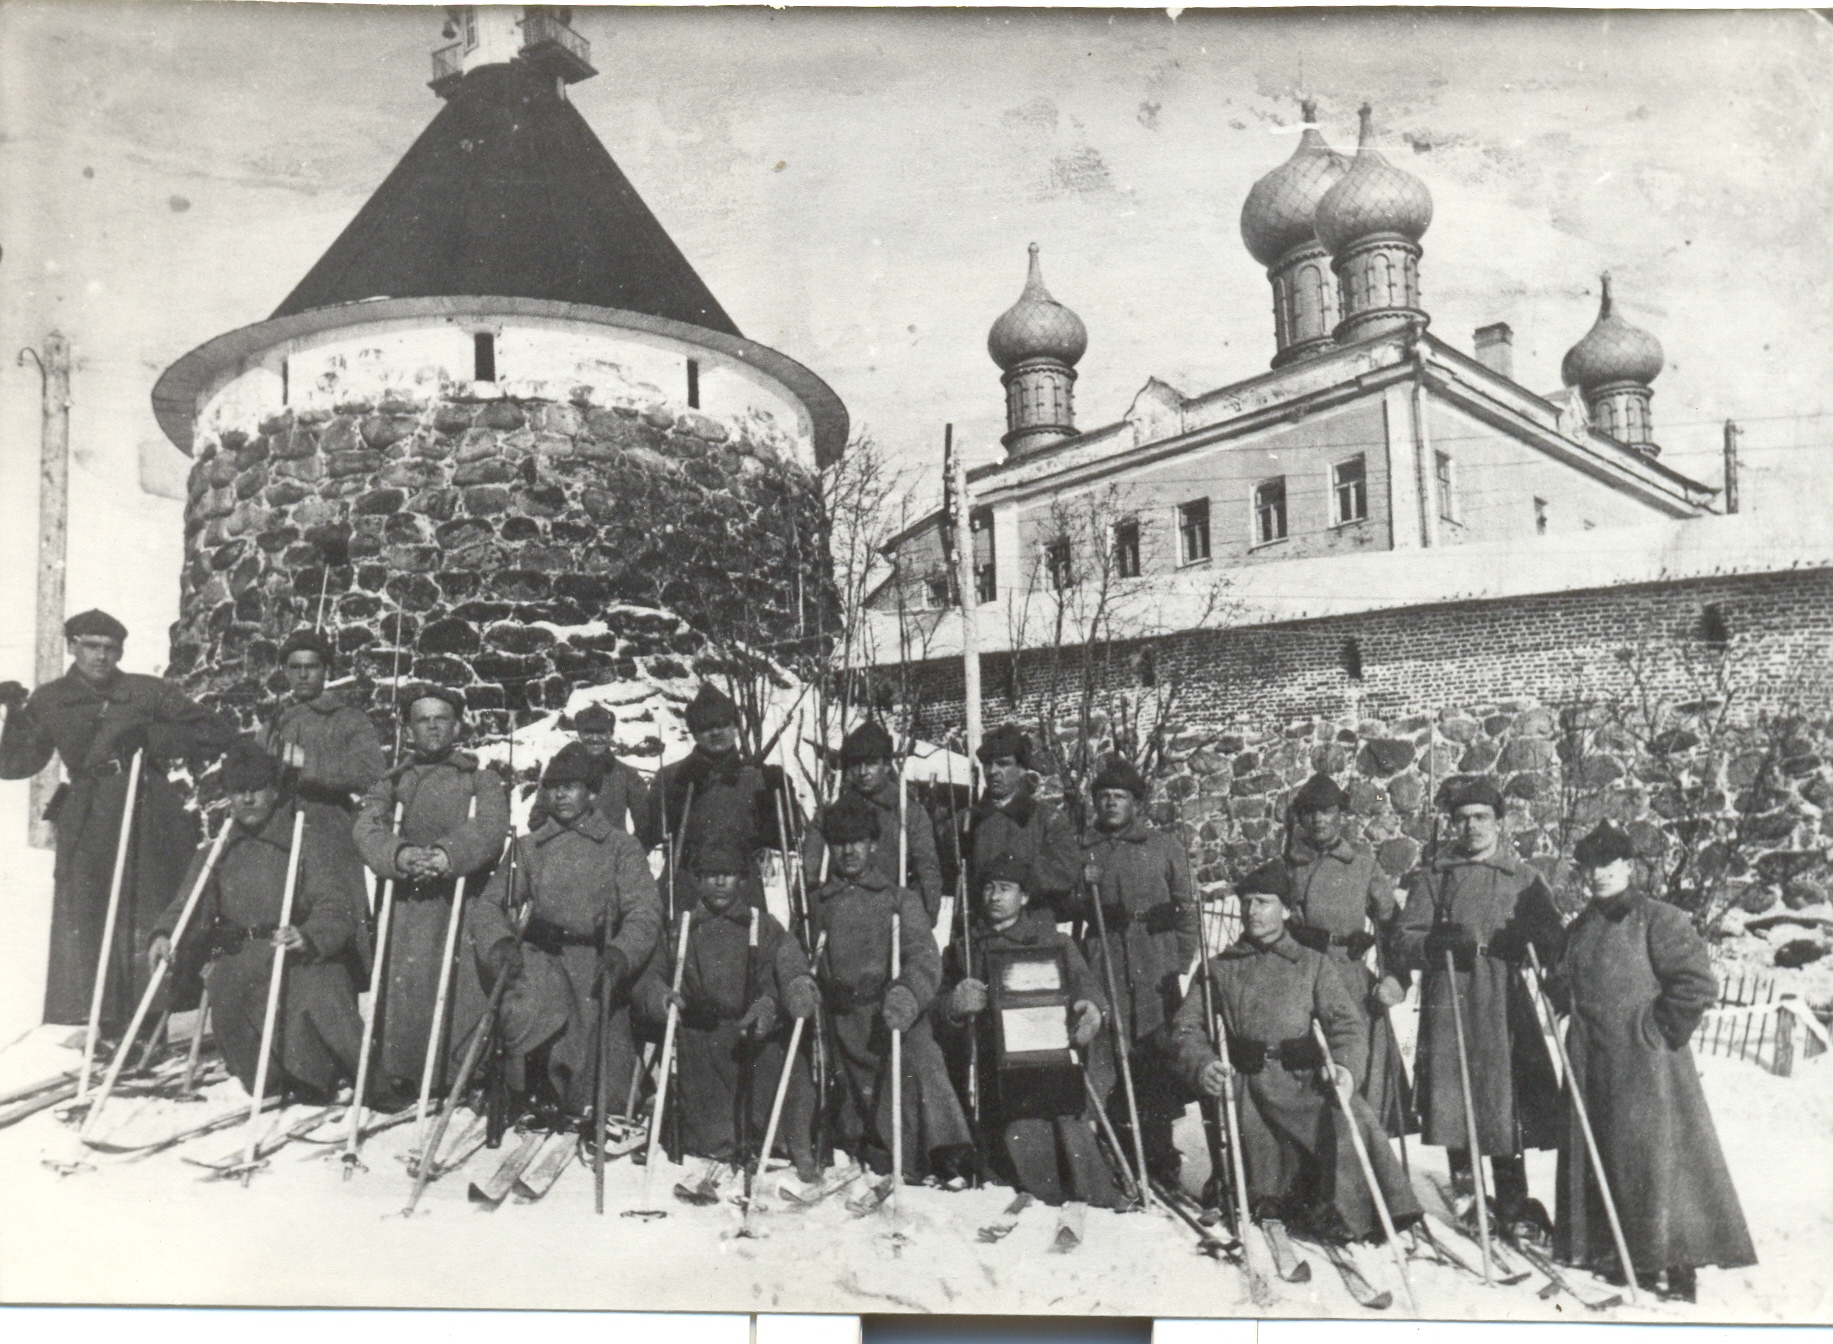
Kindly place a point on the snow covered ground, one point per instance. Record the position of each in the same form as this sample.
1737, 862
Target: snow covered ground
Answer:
118, 1230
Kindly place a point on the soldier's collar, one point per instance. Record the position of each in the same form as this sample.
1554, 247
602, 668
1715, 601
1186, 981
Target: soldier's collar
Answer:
1303, 851
592, 824
1135, 831
1287, 946
738, 912
870, 880
1616, 908
326, 702
1019, 806
1502, 858
276, 831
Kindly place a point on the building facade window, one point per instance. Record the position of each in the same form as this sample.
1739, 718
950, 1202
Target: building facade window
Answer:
1540, 515
1447, 487
1126, 550
1270, 511
1349, 487
1059, 563
1193, 530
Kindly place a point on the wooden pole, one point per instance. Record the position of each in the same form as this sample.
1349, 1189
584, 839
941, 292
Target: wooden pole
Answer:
1254, 1252
1731, 466
1470, 1111
433, 1050
158, 978
1368, 1168
897, 1071
1591, 1145
383, 916
197, 1043
970, 594
123, 839
1121, 1051
273, 991
782, 1085
668, 1058
53, 550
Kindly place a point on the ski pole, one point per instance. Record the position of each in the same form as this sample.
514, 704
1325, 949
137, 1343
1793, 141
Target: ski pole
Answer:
1591, 1143
1120, 1042
197, 1043
1212, 1120
782, 1084
273, 994
636, 1078
897, 1072
1253, 1251
123, 838
158, 978
1470, 1113
601, 1079
1368, 1168
383, 916
747, 1060
433, 1060
1107, 1126
668, 1058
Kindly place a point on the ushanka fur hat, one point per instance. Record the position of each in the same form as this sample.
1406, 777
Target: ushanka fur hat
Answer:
711, 708
849, 818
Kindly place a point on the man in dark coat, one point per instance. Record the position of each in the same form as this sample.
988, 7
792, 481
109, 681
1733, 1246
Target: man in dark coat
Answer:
1048, 1136
96, 717
1636, 979
865, 1005
593, 921
236, 926
1295, 1144
1011, 819
455, 815
744, 980
1338, 892
1482, 904
866, 763
1142, 878
731, 799
620, 793
331, 754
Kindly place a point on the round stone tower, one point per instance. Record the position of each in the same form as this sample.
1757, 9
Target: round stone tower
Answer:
501, 436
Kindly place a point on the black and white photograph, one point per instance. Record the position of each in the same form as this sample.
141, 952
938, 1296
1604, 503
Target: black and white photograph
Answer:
1130, 663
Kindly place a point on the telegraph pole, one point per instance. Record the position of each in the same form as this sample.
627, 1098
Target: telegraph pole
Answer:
53, 549
970, 594
1731, 466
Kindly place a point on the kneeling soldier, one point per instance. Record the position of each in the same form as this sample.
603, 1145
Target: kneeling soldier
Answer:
743, 975
854, 907
1042, 1113
318, 1032
593, 917
1269, 990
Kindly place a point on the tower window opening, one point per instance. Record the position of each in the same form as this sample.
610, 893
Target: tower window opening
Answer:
1540, 515
483, 347
1714, 628
693, 383
1352, 658
285, 382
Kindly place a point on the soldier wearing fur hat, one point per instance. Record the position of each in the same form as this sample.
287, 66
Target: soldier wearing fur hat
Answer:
443, 836
1269, 990
866, 763
1635, 979
620, 792
1343, 905
1142, 878
1011, 819
745, 980
95, 717
854, 908
1046, 1124
732, 799
1481, 903
593, 921
236, 929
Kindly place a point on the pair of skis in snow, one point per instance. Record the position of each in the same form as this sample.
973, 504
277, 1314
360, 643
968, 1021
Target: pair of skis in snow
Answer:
530, 1169
1070, 1227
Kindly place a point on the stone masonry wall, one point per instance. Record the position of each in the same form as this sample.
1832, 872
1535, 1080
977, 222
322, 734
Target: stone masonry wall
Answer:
513, 548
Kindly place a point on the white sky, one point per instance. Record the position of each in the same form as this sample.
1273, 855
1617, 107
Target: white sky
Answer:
858, 188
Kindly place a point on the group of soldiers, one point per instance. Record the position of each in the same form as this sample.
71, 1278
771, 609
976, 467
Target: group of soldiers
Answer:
579, 956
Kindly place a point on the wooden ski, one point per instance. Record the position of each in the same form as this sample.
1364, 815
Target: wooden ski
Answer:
1286, 1260
246, 1160
1071, 1220
501, 1181
1366, 1294
1002, 1226
554, 1157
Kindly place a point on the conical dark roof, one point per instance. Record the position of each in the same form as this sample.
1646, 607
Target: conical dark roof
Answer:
508, 192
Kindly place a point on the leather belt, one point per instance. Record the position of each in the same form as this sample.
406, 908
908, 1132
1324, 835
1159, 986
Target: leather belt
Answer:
1293, 1054
228, 939
550, 938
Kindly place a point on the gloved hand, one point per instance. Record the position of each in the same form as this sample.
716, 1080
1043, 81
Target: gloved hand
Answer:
800, 997
969, 997
1088, 1022
160, 949
13, 695
1359, 943
675, 999
1452, 938
1212, 1077
1342, 1079
1389, 993
759, 1018
1509, 944
506, 961
615, 967
900, 1011
773, 777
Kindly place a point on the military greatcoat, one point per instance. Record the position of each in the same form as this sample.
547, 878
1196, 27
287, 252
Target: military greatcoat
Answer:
83, 723
734, 802
1033, 831
920, 844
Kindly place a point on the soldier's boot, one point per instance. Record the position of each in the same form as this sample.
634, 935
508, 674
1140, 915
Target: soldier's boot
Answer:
1521, 1219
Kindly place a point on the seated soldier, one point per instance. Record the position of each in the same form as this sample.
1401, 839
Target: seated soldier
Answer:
236, 927
743, 976
1046, 1129
593, 917
1268, 990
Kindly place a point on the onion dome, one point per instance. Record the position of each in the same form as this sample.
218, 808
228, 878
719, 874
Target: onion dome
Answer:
1281, 208
1372, 197
1036, 327
1612, 351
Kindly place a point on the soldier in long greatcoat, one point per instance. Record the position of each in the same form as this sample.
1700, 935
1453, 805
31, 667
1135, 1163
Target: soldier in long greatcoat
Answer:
1011, 819
865, 1004
236, 927
1635, 978
95, 717
441, 839
582, 893
1343, 905
866, 762
1142, 878
1482, 904
732, 800
1295, 1144
736, 1001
